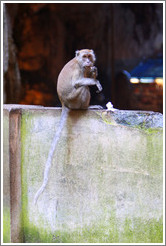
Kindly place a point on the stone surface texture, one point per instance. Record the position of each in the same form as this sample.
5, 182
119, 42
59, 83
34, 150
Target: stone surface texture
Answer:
106, 180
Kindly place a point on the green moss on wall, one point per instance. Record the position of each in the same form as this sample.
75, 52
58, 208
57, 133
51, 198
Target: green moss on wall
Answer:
107, 119
139, 231
6, 225
24, 131
132, 231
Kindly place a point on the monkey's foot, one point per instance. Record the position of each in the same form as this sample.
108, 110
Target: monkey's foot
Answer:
95, 107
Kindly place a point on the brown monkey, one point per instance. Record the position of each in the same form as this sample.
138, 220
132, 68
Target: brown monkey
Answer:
73, 91
72, 87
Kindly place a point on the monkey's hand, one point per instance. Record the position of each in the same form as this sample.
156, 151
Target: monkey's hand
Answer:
94, 72
90, 72
98, 86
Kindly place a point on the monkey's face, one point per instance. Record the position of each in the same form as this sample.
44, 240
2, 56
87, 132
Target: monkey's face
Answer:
86, 58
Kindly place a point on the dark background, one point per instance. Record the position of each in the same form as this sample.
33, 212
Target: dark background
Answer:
39, 38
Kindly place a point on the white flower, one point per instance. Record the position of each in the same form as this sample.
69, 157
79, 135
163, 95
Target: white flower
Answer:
109, 106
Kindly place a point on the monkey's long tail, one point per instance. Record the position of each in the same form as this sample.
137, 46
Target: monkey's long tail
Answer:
51, 152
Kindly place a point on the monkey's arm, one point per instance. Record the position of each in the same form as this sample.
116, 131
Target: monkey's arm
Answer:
87, 82
98, 86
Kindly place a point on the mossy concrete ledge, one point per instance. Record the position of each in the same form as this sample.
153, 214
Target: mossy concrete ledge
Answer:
105, 184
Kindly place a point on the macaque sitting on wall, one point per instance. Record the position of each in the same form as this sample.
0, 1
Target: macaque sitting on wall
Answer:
73, 91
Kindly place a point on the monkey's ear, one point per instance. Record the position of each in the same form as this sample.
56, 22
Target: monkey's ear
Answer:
93, 53
77, 52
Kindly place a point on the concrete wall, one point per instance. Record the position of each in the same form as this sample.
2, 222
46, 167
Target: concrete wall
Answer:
105, 183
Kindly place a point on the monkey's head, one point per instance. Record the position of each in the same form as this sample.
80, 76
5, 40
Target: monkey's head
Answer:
85, 58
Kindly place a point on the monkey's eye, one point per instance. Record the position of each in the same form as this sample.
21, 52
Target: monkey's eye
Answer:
89, 56
84, 56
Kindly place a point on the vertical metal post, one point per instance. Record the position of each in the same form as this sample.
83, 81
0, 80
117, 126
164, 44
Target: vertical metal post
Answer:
15, 175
